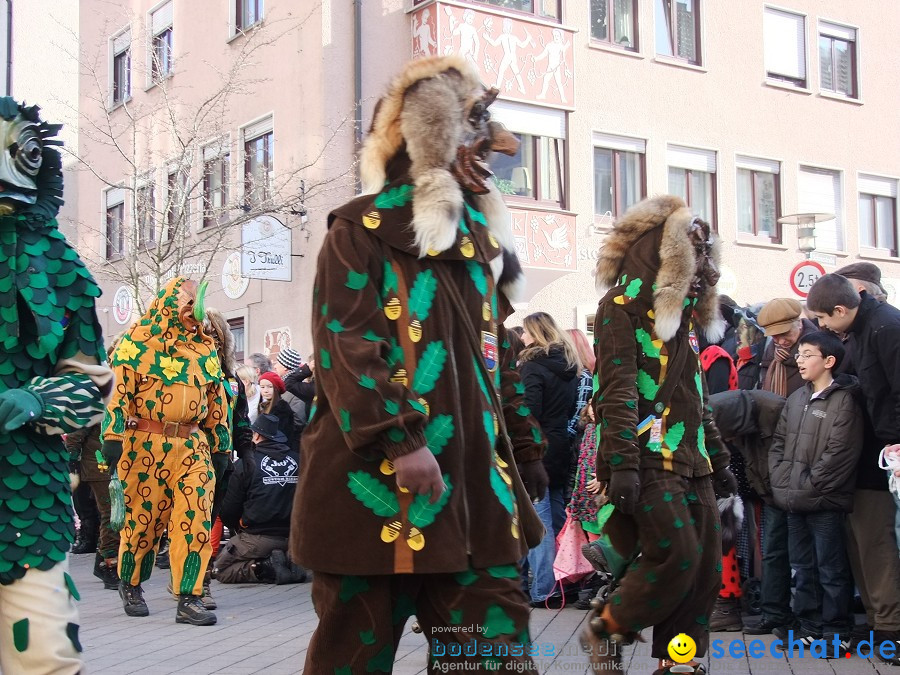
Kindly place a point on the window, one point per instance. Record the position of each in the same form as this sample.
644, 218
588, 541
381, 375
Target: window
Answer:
161, 42
121, 68
238, 333
619, 174
678, 29
615, 22
820, 192
248, 13
784, 34
692, 176
538, 169
215, 185
259, 160
878, 213
146, 221
758, 199
547, 9
176, 206
837, 59
115, 223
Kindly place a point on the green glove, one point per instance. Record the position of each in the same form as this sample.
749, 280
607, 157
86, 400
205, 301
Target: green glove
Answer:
18, 406
220, 462
112, 453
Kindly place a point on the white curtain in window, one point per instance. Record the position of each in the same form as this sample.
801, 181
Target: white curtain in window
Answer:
877, 185
819, 191
785, 43
691, 158
161, 18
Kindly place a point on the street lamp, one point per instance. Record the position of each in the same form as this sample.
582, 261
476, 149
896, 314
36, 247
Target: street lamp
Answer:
806, 228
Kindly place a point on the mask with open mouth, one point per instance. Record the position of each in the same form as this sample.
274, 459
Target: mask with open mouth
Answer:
482, 137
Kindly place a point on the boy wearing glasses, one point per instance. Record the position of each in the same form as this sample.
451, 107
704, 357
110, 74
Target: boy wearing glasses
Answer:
812, 467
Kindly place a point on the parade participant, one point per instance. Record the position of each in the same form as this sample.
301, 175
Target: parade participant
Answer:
659, 449
165, 429
419, 420
53, 378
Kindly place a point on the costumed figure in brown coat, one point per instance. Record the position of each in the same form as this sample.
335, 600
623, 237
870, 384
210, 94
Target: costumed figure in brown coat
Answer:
659, 449
419, 420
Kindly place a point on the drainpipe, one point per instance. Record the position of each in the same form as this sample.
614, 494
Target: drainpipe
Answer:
357, 85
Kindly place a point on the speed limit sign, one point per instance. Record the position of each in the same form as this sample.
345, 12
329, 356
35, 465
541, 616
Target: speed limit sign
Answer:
804, 275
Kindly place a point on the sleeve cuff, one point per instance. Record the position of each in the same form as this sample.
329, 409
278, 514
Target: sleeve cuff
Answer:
410, 444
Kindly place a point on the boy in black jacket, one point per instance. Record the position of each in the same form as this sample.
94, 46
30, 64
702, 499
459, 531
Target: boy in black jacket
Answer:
813, 474
258, 507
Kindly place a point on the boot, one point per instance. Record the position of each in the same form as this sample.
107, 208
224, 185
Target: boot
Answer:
286, 572
99, 564
604, 648
162, 558
107, 573
264, 571
133, 599
85, 539
191, 610
207, 598
726, 615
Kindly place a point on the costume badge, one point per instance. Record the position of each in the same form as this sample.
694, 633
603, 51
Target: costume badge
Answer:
235, 390
489, 349
656, 430
695, 343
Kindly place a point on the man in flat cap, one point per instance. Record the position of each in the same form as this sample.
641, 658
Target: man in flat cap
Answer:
865, 276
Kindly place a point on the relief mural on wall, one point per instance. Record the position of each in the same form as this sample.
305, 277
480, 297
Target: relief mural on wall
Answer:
544, 239
526, 60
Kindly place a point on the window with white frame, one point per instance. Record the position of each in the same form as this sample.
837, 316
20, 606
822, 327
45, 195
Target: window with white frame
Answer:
819, 191
177, 211
115, 223
878, 213
259, 161
216, 174
161, 32
678, 29
248, 13
538, 170
692, 176
838, 59
758, 192
615, 22
120, 67
145, 205
784, 35
619, 173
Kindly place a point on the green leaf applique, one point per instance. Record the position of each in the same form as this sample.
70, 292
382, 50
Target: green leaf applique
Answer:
395, 197
502, 490
345, 420
674, 435
438, 433
422, 512
356, 280
646, 343
324, 358
366, 382
422, 294
429, 368
647, 385
476, 271
389, 284
335, 326
374, 495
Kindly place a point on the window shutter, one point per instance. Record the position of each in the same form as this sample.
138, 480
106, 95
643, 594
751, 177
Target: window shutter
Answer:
121, 42
528, 119
162, 18
819, 191
695, 159
785, 43
757, 164
115, 196
626, 143
257, 129
836, 31
215, 149
877, 185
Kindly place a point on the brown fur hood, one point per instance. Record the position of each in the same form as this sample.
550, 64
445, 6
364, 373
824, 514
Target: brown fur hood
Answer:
651, 240
423, 115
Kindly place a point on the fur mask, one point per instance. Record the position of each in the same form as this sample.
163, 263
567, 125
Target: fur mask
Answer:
434, 113
655, 238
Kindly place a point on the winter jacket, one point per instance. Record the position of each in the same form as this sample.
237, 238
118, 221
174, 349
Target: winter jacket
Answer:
282, 410
649, 245
875, 343
261, 491
813, 459
397, 369
747, 420
583, 397
295, 384
551, 392
794, 381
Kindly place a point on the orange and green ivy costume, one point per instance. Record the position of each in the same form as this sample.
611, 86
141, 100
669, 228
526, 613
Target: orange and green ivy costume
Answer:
167, 373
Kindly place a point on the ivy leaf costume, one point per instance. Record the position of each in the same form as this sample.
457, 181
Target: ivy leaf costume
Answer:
53, 372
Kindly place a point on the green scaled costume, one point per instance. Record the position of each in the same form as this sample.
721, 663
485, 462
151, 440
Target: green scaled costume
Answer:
53, 375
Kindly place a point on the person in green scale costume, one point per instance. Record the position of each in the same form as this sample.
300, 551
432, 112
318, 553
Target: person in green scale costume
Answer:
53, 380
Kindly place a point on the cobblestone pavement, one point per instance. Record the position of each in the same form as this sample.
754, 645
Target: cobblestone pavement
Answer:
266, 629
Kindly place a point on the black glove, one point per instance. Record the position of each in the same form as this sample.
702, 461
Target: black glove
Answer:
112, 453
724, 482
624, 489
534, 475
220, 462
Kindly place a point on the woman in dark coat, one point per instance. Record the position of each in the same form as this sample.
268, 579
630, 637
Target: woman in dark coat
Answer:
271, 387
550, 368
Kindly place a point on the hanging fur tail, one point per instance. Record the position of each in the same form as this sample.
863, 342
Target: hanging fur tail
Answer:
731, 517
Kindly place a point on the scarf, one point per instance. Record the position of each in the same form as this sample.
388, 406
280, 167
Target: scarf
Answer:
776, 377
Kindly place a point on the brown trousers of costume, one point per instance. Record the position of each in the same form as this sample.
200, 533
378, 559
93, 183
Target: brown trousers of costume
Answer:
872, 549
674, 584
474, 620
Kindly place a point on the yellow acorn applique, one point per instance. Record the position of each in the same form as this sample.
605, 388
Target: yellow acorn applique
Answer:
401, 377
391, 530
389, 286
466, 247
372, 219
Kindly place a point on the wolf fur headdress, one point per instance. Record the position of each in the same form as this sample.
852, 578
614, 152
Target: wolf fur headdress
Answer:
424, 115
670, 254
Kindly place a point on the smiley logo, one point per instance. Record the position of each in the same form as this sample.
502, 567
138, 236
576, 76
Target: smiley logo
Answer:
682, 648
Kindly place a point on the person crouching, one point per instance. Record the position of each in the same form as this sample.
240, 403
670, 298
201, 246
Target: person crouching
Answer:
257, 507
